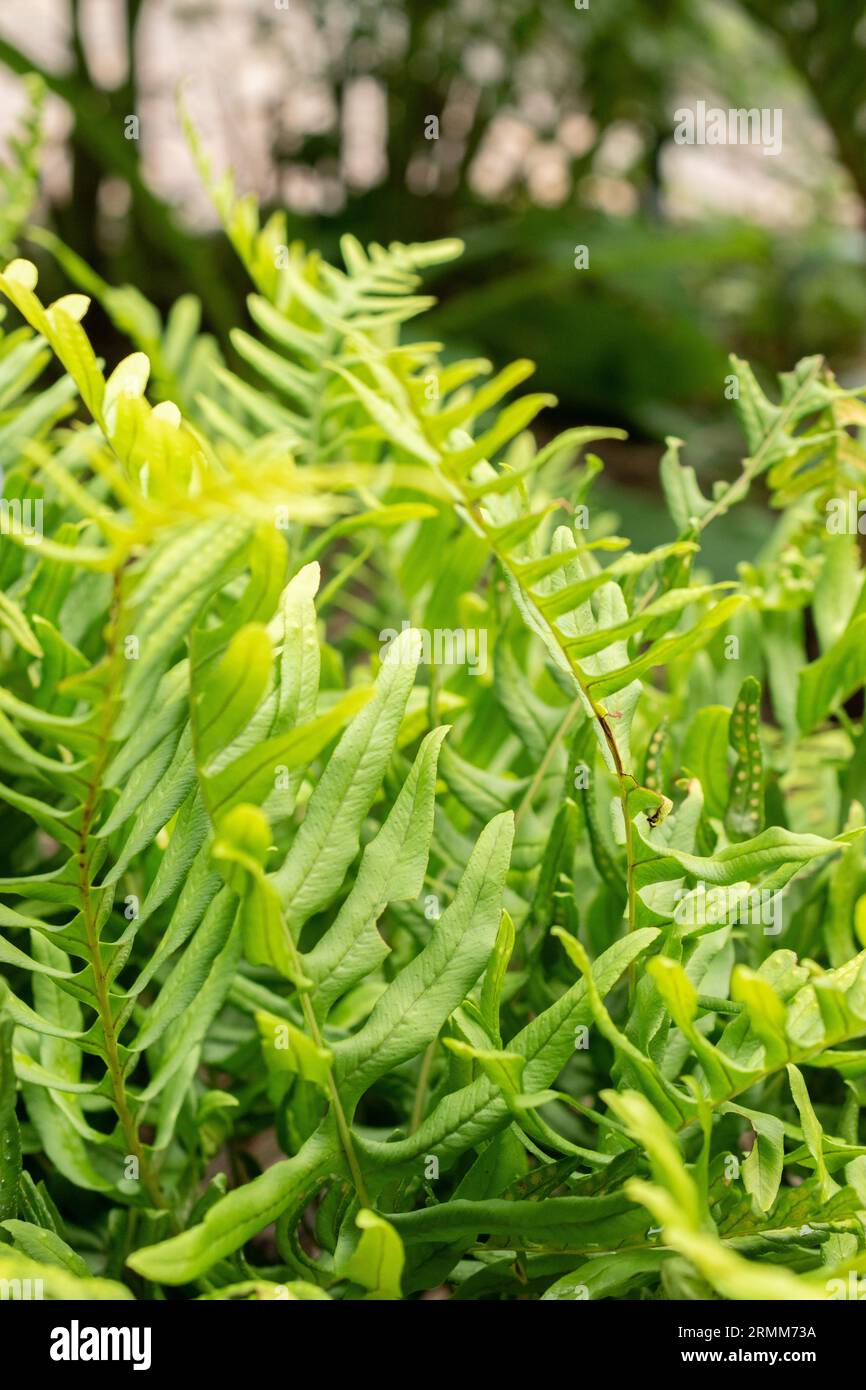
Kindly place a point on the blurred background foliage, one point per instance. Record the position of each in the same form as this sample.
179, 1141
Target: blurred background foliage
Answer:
529, 128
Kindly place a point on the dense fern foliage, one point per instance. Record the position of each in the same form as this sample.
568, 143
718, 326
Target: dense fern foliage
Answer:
405, 882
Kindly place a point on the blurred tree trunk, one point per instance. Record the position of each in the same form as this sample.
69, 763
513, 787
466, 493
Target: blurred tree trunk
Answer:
824, 54
411, 99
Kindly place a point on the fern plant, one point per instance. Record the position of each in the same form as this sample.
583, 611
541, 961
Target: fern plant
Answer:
535, 979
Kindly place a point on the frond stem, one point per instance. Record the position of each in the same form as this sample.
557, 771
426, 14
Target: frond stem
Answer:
89, 915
